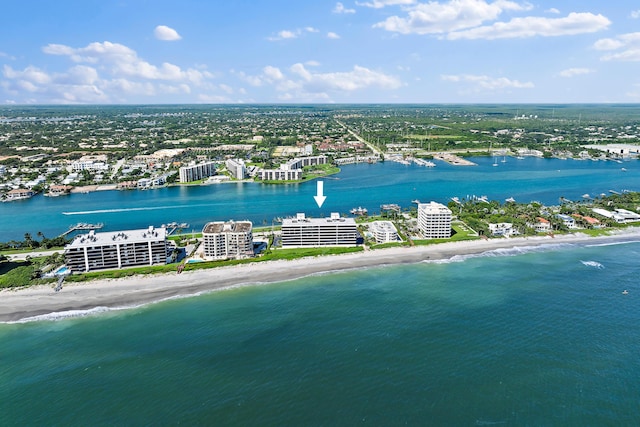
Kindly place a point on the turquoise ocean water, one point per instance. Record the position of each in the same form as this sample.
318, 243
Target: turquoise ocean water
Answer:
510, 337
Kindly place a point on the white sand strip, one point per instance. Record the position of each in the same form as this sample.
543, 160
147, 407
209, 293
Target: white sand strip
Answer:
137, 290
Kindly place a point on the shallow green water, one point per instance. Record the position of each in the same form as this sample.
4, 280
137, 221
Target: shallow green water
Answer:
520, 337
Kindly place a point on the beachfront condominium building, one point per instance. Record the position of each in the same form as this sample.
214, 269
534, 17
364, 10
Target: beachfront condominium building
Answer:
434, 220
197, 172
118, 249
317, 232
236, 168
223, 240
384, 231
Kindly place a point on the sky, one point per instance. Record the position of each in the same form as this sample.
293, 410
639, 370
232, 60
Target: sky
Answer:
317, 51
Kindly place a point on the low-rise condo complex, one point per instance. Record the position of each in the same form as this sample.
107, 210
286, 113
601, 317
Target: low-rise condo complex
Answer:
280, 174
107, 250
384, 231
317, 232
292, 170
223, 240
434, 220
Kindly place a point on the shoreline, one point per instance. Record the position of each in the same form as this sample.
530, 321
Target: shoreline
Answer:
135, 291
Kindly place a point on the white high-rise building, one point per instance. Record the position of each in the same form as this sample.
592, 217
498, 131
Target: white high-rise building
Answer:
434, 220
317, 232
223, 240
197, 172
236, 168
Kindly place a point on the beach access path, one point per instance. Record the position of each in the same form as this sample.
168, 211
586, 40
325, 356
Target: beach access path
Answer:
20, 304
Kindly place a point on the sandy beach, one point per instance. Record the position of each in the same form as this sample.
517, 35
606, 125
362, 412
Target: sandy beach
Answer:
26, 303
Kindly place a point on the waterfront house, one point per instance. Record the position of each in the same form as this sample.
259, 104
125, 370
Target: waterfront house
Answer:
541, 225
59, 190
587, 221
19, 194
502, 229
567, 220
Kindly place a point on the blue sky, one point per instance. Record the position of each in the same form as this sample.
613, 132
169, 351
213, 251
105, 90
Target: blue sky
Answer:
292, 51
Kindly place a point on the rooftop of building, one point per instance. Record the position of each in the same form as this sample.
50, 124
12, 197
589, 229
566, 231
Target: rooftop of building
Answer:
433, 207
92, 238
227, 227
383, 226
302, 219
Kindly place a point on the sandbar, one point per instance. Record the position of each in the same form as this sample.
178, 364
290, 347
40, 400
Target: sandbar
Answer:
26, 303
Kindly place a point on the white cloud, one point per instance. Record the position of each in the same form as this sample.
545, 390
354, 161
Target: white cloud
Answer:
304, 84
635, 14
252, 80
226, 88
467, 19
284, 35
6, 55
272, 73
574, 23
572, 72
358, 78
487, 83
121, 60
339, 8
436, 18
332, 35
162, 32
553, 10
626, 45
292, 34
608, 44
103, 73
30, 74
378, 4
80, 84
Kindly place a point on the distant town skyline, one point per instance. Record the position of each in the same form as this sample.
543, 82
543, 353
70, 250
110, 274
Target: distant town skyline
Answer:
283, 51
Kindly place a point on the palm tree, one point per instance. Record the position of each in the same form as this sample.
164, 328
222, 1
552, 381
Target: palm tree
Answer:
28, 240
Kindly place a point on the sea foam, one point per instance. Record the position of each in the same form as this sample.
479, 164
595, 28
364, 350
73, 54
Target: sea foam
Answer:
504, 252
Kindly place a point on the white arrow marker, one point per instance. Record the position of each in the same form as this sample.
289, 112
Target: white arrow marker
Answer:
320, 198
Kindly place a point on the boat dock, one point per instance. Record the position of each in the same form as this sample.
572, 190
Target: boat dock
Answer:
173, 226
82, 226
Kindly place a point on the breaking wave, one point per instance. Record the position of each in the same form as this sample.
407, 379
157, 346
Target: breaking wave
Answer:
504, 252
594, 264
